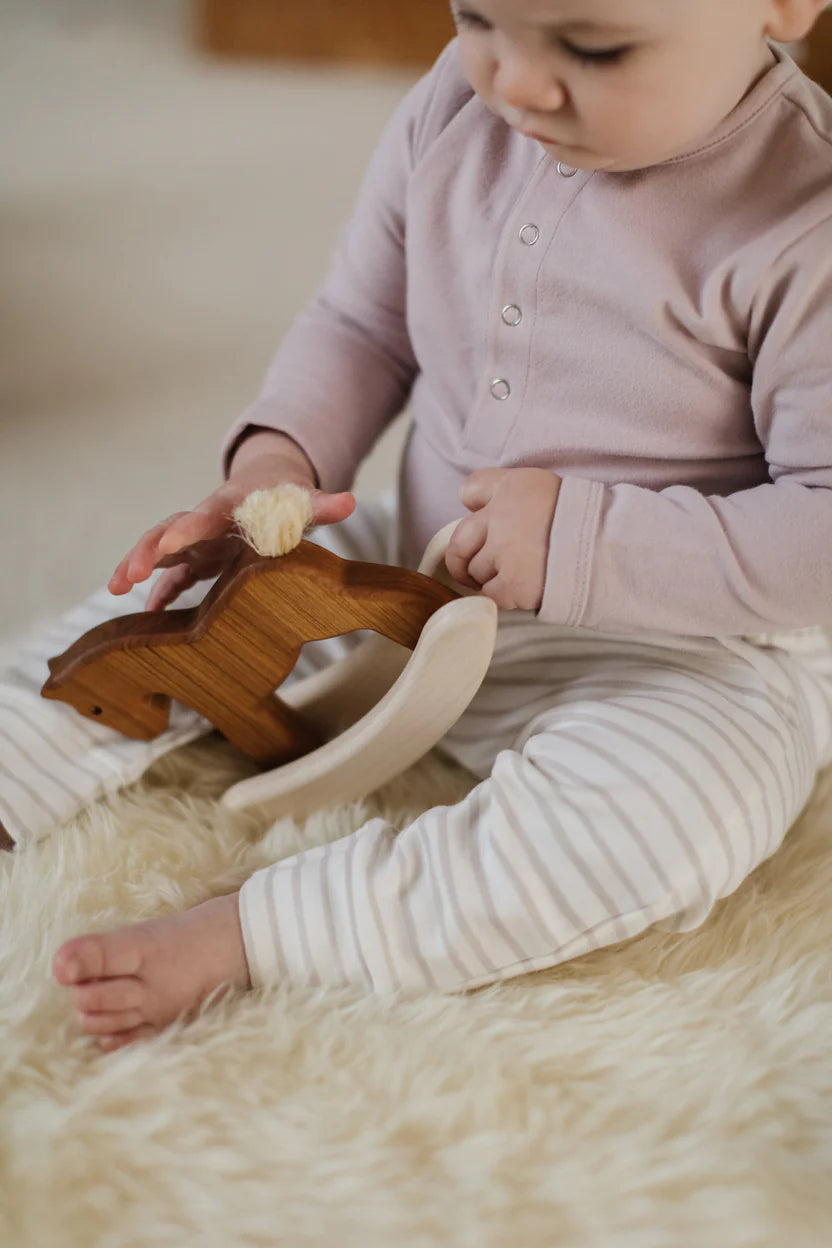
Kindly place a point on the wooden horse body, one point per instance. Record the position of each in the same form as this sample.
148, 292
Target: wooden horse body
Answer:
226, 657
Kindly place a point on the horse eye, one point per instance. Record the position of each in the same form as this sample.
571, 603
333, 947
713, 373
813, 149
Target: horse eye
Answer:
96, 710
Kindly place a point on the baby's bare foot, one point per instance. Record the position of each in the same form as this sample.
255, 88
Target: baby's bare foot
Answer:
133, 981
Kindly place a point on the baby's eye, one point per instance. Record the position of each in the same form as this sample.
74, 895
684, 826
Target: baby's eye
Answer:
587, 56
464, 18
595, 56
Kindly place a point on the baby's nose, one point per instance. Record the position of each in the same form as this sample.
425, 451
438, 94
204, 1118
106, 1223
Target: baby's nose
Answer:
528, 85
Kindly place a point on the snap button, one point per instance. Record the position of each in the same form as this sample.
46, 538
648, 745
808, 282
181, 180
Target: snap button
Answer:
500, 388
566, 171
529, 234
511, 314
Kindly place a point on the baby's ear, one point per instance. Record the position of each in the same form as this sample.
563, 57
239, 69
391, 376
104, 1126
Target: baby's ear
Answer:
791, 20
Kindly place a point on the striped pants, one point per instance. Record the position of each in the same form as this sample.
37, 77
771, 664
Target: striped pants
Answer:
624, 781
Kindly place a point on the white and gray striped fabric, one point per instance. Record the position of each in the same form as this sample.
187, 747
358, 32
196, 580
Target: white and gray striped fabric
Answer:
53, 761
625, 781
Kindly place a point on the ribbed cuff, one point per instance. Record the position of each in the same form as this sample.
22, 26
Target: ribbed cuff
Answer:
571, 549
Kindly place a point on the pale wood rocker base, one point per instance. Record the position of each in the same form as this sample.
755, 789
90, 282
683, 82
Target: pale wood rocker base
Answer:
387, 705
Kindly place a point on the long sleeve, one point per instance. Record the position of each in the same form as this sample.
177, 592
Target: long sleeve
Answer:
345, 368
627, 558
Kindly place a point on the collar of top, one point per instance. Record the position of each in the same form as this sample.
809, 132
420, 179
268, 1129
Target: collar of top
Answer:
765, 89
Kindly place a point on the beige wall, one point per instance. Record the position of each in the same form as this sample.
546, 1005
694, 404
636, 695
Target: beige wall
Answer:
162, 219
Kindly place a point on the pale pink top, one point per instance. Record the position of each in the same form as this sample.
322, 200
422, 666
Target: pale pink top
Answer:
660, 338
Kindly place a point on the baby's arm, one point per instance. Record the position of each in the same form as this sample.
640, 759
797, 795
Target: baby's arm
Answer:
341, 374
344, 370
625, 558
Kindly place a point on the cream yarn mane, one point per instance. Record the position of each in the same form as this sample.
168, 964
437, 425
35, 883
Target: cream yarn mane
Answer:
274, 521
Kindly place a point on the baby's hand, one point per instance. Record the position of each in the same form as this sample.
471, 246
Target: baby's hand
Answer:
503, 546
194, 545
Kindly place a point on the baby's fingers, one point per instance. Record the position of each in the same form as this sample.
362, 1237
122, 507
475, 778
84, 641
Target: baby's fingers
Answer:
119, 582
324, 508
189, 527
467, 540
170, 585
139, 562
147, 554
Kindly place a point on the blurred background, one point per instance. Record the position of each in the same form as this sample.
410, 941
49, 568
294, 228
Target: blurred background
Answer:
173, 181
174, 176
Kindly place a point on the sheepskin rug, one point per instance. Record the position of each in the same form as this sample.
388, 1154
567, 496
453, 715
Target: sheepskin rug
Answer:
675, 1090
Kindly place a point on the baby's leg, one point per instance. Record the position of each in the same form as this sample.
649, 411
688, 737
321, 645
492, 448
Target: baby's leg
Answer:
651, 784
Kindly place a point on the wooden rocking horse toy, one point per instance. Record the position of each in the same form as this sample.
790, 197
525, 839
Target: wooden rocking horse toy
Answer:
333, 736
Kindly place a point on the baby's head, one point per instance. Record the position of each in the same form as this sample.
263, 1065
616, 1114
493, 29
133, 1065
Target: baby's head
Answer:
621, 84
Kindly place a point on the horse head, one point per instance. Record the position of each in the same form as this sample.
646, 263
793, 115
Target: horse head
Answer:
97, 689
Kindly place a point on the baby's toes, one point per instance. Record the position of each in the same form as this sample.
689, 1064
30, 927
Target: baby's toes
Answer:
119, 1039
112, 1024
108, 996
97, 957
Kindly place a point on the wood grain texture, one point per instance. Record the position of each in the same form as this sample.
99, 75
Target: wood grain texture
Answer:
226, 657
370, 31
381, 709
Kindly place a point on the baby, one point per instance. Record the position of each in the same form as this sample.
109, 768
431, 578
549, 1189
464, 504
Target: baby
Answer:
594, 250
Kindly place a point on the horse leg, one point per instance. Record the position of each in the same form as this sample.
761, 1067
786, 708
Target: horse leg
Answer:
398, 604
269, 731
238, 700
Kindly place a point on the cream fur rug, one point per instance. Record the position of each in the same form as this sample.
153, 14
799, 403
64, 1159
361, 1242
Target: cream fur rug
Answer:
673, 1091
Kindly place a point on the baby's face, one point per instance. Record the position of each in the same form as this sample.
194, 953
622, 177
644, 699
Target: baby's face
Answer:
613, 84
